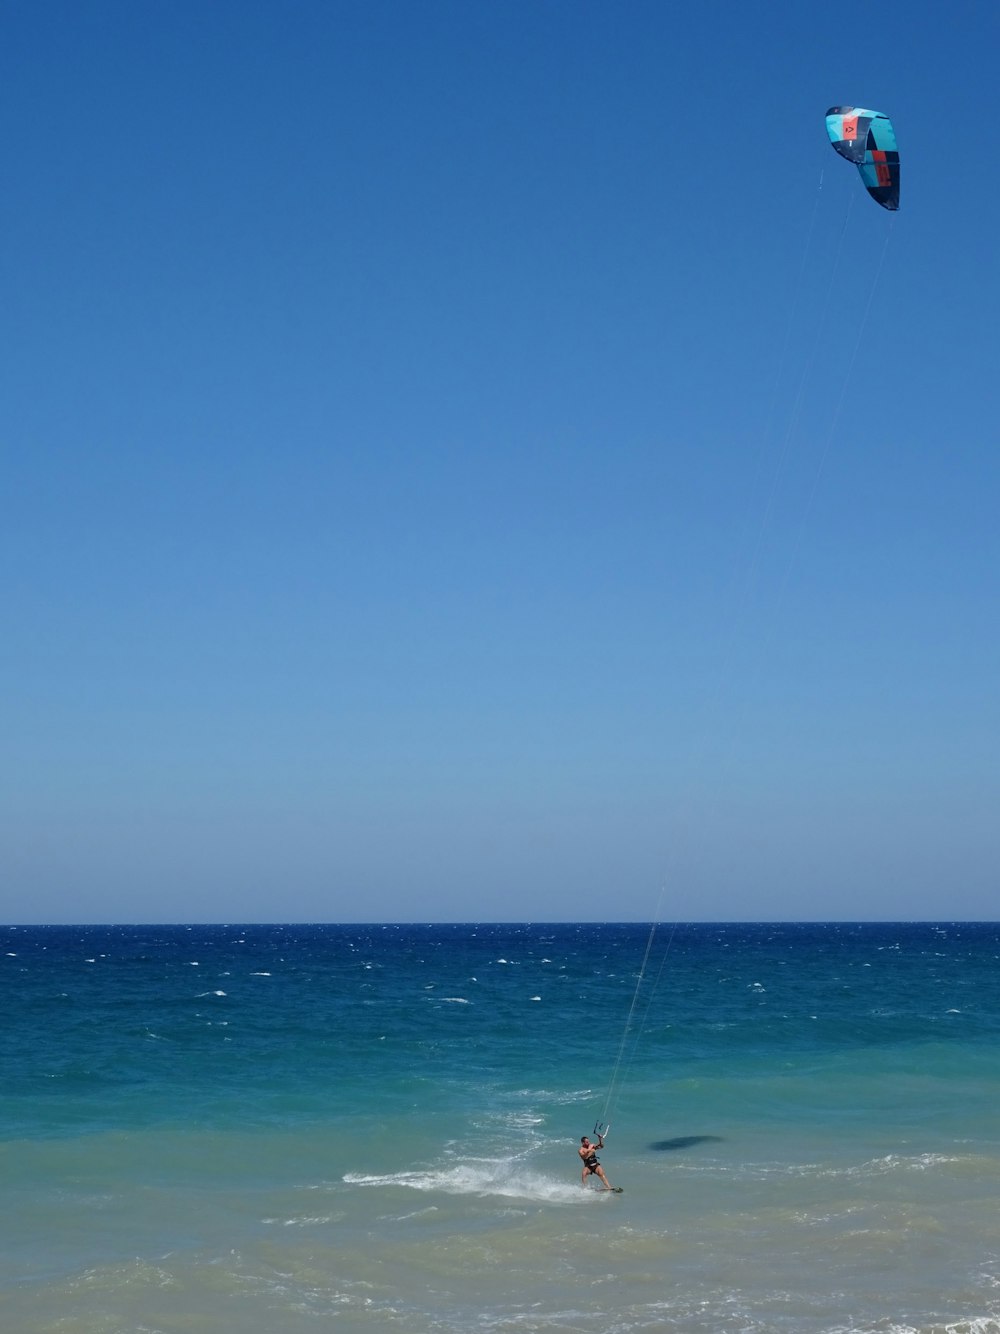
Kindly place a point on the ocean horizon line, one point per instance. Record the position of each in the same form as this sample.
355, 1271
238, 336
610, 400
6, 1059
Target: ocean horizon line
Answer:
232, 923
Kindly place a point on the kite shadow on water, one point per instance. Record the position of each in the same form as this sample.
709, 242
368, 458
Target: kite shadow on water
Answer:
684, 1142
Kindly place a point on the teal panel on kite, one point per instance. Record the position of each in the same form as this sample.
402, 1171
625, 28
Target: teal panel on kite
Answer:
867, 139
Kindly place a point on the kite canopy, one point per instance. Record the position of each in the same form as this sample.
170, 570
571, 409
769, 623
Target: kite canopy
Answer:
867, 139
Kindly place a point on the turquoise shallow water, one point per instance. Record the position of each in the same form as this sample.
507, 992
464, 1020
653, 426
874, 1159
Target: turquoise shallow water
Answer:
272, 1128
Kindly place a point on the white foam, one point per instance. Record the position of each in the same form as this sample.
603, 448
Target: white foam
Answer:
985, 1324
892, 1162
516, 1120
483, 1178
561, 1097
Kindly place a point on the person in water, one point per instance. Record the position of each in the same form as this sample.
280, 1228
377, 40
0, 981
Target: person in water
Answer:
591, 1165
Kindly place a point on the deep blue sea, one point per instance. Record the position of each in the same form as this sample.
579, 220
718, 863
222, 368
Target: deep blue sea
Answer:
261, 1129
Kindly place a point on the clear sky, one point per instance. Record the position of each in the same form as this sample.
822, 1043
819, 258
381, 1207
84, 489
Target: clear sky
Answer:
494, 461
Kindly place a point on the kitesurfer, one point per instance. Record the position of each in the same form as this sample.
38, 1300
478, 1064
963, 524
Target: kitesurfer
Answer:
591, 1165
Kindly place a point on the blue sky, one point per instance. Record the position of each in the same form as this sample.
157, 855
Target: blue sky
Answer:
495, 462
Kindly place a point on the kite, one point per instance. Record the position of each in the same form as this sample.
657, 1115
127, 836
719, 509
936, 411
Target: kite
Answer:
867, 139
